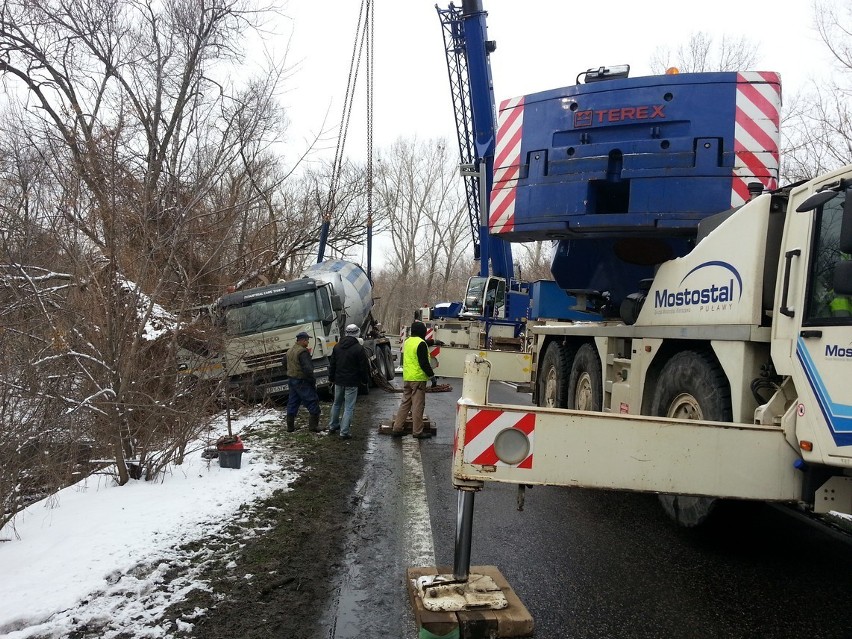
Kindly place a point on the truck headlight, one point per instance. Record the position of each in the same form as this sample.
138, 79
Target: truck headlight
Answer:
511, 446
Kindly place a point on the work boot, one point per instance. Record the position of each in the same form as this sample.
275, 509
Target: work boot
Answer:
291, 423
313, 423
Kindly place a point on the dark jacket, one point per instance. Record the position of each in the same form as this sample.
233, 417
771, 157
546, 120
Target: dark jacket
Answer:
348, 365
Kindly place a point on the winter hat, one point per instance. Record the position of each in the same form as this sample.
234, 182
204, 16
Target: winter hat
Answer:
353, 330
418, 329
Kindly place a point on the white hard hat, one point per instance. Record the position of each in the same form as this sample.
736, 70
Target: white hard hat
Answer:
353, 330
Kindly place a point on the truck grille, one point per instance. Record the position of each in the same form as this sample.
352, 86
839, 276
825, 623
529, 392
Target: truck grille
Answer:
264, 360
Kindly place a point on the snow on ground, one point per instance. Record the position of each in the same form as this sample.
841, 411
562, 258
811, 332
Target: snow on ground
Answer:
96, 552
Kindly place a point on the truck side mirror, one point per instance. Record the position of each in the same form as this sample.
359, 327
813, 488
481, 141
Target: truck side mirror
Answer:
816, 200
843, 278
843, 270
845, 243
827, 193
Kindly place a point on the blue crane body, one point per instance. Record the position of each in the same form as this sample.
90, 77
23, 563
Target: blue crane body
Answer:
618, 171
467, 49
628, 156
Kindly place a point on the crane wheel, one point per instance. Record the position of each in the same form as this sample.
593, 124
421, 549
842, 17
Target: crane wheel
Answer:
692, 386
553, 378
585, 382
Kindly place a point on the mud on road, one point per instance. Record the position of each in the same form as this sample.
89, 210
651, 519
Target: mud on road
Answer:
279, 563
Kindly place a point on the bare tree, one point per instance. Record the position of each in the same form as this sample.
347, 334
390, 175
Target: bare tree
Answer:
419, 192
533, 260
817, 128
144, 161
703, 53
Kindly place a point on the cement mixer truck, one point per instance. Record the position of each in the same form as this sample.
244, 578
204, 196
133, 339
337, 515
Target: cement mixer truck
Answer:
261, 324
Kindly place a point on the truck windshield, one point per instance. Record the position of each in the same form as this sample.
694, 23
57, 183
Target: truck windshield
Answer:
269, 314
824, 306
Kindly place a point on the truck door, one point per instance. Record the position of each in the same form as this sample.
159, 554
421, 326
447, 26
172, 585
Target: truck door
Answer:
820, 348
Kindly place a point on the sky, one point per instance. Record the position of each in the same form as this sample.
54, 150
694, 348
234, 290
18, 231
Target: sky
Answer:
541, 45
96, 551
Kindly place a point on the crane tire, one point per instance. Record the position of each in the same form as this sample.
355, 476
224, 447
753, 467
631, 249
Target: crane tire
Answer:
692, 386
553, 379
585, 381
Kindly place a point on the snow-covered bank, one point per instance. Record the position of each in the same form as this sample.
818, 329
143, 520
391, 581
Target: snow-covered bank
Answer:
96, 552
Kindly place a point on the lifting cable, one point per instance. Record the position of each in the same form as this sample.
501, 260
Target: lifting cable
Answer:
363, 40
369, 171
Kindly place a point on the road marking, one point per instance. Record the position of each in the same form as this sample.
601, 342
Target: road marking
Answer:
417, 536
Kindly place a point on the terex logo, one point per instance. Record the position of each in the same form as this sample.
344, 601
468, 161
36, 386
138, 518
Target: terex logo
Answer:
836, 350
719, 295
591, 117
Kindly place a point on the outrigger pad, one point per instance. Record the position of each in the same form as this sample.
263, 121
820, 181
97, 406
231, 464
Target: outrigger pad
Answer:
386, 427
513, 620
439, 388
444, 593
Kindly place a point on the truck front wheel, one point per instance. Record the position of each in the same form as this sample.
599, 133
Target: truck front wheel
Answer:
377, 365
692, 386
389, 367
585, 383
552, 382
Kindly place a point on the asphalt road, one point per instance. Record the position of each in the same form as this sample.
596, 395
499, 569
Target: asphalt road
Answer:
585, 563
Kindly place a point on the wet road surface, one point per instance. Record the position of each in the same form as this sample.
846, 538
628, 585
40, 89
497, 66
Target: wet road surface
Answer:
585, 563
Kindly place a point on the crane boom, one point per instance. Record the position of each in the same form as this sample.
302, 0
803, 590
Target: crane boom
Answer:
467, 49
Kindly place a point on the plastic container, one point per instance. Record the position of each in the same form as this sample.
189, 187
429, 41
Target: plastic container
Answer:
231, 455
230, 458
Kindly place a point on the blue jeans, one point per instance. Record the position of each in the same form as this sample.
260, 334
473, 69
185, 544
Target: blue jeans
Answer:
343, 396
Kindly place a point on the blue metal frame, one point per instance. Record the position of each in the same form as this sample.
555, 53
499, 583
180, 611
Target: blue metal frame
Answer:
467, 49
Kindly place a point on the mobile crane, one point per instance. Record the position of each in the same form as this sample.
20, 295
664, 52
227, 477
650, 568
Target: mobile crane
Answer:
617, 171
725, 374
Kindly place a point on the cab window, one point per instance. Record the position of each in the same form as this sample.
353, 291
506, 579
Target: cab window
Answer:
823, 306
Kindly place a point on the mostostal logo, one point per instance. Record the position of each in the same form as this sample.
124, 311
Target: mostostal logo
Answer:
838, 351
727, 288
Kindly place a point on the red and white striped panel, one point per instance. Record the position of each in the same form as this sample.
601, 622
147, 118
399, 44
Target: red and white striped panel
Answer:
507, 166
434, 351
483, 425
757, 133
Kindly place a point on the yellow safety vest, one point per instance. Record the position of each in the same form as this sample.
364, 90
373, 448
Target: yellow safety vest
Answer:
841, 306
411, 371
